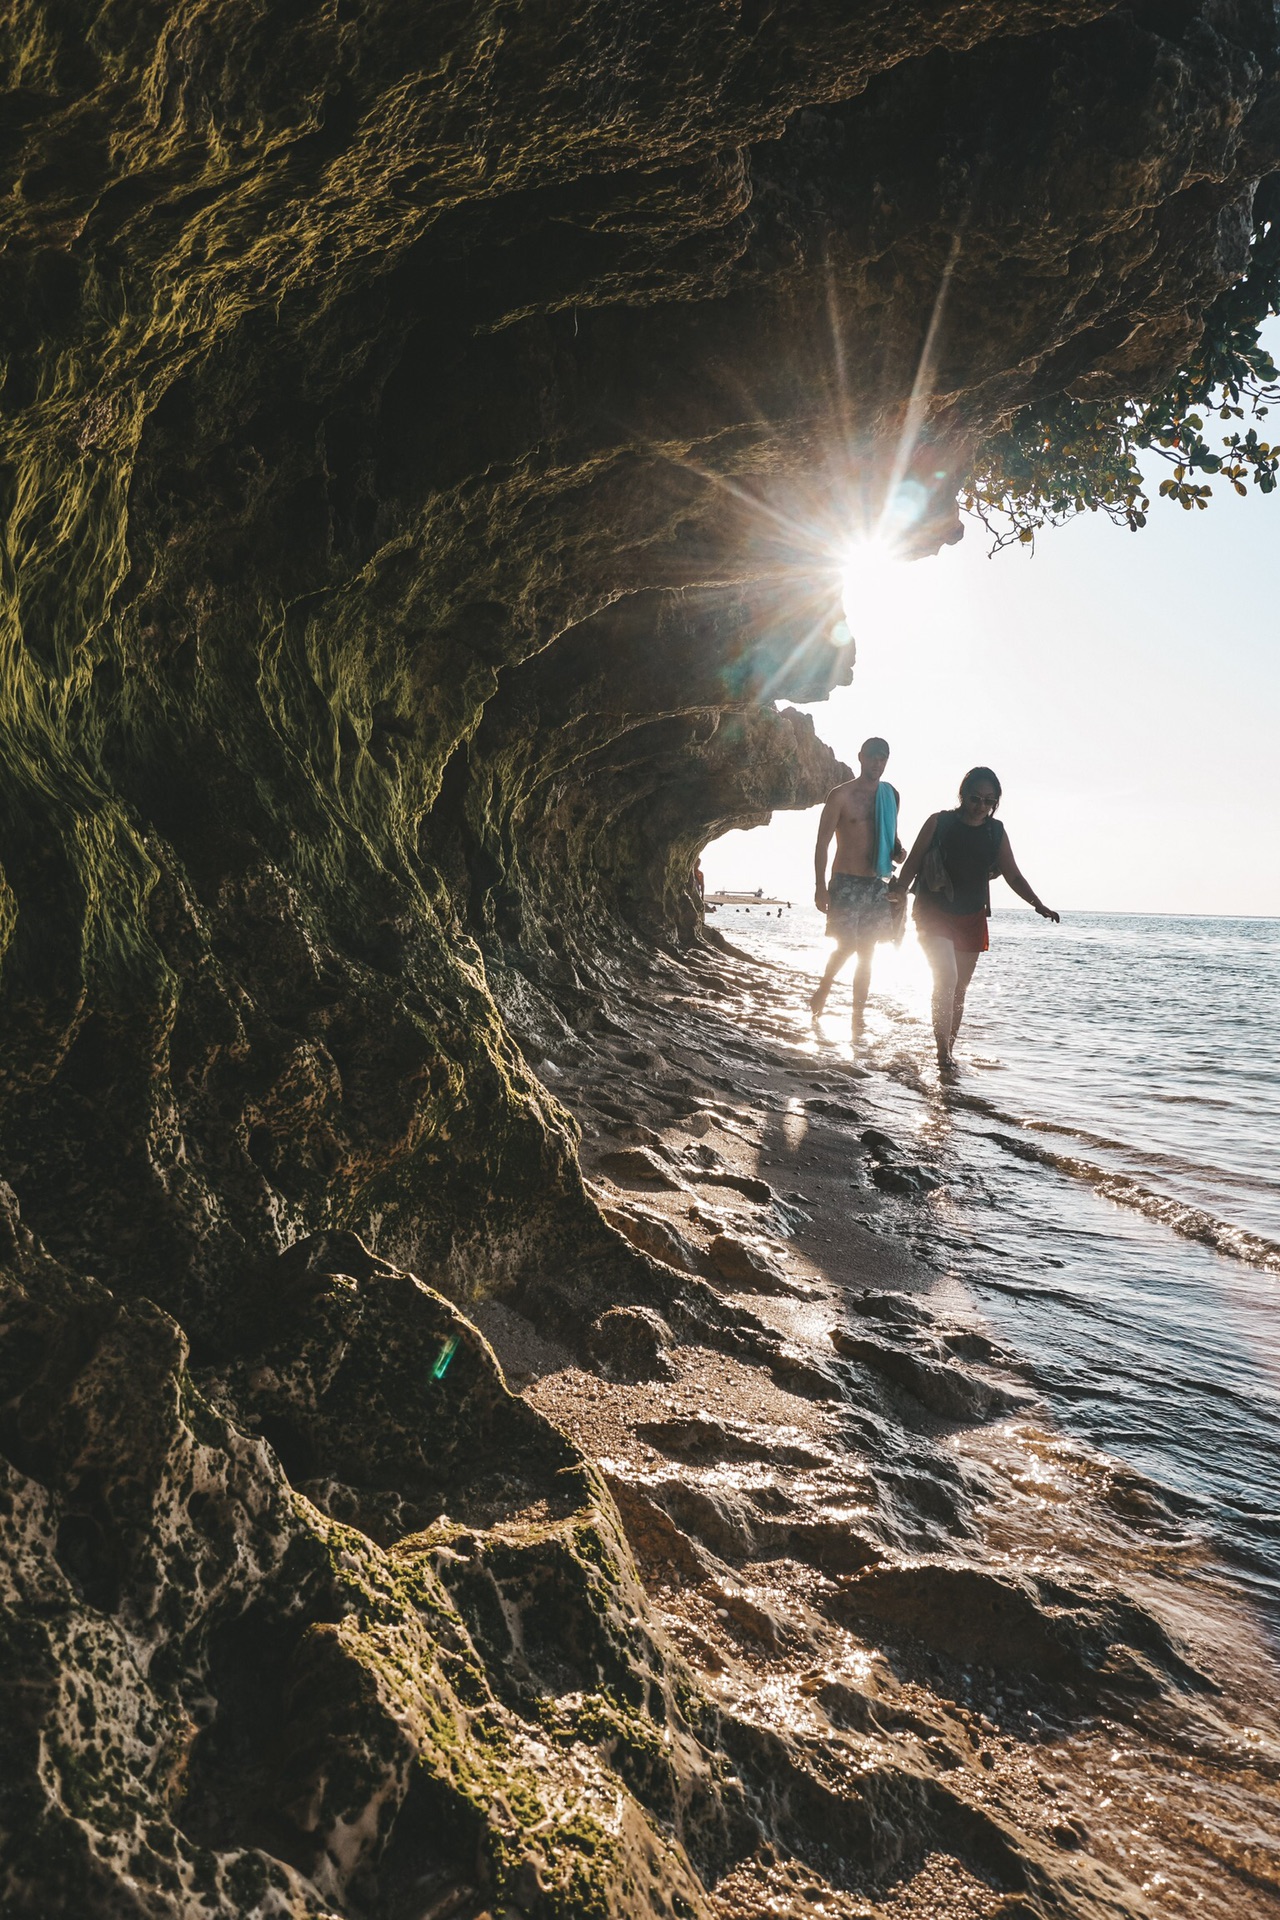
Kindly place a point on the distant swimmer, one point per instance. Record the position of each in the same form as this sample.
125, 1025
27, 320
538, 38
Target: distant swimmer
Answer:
956, 856
863, 816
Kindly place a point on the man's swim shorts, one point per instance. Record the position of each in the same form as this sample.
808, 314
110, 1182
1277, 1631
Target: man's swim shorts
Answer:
858, 908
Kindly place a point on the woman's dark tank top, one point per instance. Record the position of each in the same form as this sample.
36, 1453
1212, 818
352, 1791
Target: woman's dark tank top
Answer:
969, 855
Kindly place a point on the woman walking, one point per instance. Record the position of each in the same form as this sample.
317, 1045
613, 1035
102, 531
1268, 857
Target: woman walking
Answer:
956, 855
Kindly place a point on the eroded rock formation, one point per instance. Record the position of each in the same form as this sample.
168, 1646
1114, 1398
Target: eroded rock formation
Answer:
427, 435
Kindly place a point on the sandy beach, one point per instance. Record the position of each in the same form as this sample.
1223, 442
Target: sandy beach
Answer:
880, 1558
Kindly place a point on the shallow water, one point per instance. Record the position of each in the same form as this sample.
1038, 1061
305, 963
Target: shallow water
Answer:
1113, 1182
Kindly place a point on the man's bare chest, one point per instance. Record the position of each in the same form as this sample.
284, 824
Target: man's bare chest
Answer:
857, 811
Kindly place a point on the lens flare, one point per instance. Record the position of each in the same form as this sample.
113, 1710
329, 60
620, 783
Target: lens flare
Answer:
444, 1357
905, 508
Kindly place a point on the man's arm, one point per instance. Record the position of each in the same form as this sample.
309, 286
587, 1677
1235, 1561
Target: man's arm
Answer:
923, 841
826, 827
1009, 870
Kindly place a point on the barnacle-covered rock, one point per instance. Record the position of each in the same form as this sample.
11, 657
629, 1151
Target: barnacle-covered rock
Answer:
220, 1700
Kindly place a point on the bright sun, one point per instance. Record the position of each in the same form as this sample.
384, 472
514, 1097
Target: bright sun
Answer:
887, 597
872, 578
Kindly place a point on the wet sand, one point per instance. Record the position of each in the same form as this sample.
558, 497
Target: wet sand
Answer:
874, 1544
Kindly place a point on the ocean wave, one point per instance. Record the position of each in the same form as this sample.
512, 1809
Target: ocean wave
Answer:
1192, 1222
1161, 1162
1105, 1143
1101, 1140
1192, 1100
1156, 1159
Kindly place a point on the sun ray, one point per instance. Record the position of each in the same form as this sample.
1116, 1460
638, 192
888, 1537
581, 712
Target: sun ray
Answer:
921, 388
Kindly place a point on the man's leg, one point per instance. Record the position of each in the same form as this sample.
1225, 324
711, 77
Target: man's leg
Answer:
965, 964
941, 955
862, 982
842, 951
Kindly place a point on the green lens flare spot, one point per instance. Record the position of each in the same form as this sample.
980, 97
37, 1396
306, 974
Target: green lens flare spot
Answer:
443, 1358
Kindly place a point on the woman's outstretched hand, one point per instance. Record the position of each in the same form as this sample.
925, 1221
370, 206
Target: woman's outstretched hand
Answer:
1046, 913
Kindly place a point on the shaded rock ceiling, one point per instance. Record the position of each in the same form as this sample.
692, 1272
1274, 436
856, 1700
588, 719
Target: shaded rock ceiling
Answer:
427, 435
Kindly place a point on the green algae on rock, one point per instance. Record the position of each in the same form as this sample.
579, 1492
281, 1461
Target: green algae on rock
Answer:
248, 1706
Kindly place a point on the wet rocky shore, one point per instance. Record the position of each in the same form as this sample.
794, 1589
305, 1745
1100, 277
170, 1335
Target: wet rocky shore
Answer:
735, 1570
955, 1661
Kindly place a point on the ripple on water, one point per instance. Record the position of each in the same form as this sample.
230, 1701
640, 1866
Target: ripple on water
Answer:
1124, 1232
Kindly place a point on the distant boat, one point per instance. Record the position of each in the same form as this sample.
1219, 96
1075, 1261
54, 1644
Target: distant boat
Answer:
748, 900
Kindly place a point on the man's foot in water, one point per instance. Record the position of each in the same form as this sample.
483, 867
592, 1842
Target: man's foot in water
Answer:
817, 1003
947, 1068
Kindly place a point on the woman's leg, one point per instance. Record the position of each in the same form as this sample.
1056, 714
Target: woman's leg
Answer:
965, 964
941, 955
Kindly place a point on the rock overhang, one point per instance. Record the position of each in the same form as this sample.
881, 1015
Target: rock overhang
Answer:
428, 451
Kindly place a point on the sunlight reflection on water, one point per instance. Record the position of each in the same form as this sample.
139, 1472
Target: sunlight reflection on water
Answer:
900, 982
1112, 1166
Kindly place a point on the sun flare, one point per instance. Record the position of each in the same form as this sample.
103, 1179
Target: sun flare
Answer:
872, 574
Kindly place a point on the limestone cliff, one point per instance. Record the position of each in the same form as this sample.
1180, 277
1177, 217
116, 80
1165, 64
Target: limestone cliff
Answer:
426, 429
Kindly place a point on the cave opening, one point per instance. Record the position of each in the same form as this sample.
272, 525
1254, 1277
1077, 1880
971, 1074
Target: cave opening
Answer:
461, 469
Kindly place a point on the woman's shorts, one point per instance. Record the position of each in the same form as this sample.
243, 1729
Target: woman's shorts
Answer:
967, 932
858, 908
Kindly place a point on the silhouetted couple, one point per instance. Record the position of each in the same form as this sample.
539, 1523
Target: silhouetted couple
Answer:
957, 853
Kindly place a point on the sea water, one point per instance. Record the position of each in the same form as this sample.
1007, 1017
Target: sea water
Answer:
1113, 1194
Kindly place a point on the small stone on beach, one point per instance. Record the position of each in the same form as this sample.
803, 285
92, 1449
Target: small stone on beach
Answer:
630, 1343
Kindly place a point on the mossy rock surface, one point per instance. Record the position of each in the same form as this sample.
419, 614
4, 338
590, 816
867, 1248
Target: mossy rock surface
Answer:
250, 1706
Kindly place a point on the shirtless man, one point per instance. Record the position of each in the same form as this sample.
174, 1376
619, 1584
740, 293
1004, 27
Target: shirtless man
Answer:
855, 901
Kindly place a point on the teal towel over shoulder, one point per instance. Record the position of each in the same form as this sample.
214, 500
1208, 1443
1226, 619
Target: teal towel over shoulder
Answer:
886, 828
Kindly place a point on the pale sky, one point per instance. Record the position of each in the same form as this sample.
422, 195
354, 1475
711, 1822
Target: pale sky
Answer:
1125, 687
